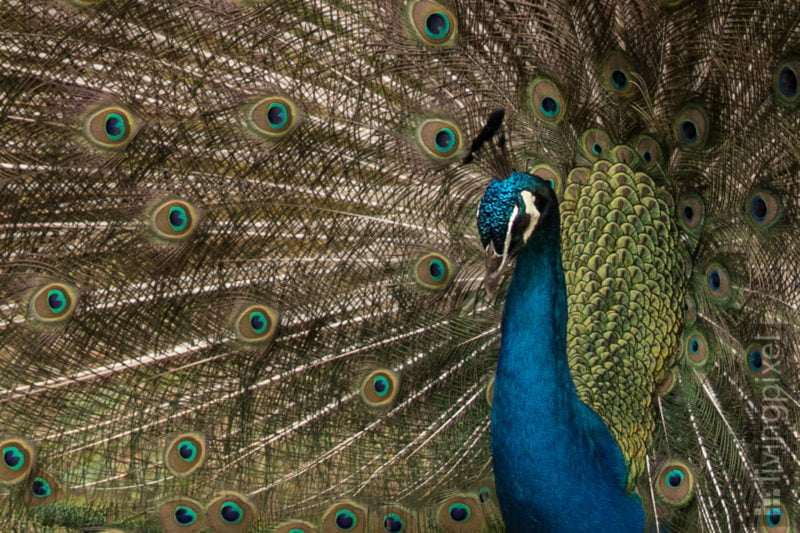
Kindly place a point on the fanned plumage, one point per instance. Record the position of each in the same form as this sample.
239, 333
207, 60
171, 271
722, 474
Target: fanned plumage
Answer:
242, 288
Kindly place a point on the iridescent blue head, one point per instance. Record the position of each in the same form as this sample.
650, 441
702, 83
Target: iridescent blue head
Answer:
509, 213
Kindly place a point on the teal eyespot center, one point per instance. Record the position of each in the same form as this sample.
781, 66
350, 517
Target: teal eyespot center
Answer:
694, 345
381, 386
714, 280
549, 106
619, 79
187, 451
115, 126
345, 520
459, 512
177, 218
392, 523
185, 516
774, 516
13, 458
259, 322
787, 82
231, 513
277, 115
56, 300
755, 359
41, 488
597, 149
445, 140
437, 269
674, 478
437, 25
688, 131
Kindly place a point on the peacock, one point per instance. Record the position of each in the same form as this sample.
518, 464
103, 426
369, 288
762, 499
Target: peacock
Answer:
400, 265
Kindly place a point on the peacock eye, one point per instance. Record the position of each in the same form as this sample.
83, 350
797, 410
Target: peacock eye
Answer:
718, 282
595, 144
271, 118
230, 509
439, 139
763, 209
393, 523
346, 520
691, 127
459, 512
345, 516
109, 128
185, 515
256, 324
433, 271
41, 488
231, 513
173, 220
690, 213
785, 83
53, 303
16, 460
432, 23
675, 483
617, 74
546, 101
185, 453
379, 388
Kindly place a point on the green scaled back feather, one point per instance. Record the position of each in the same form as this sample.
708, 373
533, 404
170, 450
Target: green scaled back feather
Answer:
241, 286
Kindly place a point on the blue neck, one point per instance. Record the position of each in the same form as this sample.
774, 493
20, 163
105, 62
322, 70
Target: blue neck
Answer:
557, 466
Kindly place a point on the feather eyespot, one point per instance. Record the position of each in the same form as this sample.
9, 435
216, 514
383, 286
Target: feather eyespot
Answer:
173, 220
42, 489
696, 349
691, 213
272, 117
785, 82
433, 271
16, 460
758, 360
674, 483
433, 24
392, 523
549, 174
230, 511
618, 74
774, 518
181, 514
461, 511
440, 140
546, 101
256, 324
110, 128
595, 144
345, 516
718, 282
185, 453
380, 388
53, 303
763, 209
649, 151
691, 127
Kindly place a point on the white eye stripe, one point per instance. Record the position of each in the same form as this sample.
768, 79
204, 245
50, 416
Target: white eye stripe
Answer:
530, 208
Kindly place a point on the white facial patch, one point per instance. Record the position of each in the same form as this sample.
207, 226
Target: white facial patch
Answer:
530, 208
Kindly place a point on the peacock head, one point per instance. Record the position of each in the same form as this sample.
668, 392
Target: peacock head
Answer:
509, 213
